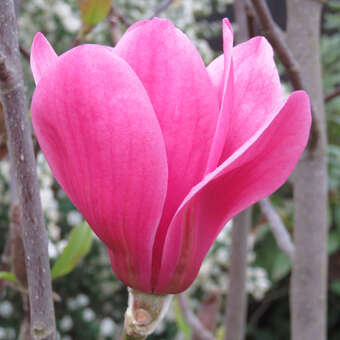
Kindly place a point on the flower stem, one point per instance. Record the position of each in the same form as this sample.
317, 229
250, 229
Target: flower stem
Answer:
144, 313
125, 336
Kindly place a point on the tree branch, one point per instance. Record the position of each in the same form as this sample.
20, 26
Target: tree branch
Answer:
162, 7
192, 320
332, 95
308, 287
120, 16
287, 58
22, 164
278, 228
236, 309
265, 304
113, 20
24, 52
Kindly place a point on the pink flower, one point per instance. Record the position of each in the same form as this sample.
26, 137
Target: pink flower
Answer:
159, 152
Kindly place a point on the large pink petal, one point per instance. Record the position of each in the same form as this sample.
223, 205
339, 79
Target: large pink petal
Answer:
184, 100
255, 170
216, 73
42, 56
101, 138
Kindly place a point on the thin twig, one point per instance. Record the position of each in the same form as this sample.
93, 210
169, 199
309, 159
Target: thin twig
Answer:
24, 52
162, 7
278, 228
114, 22
332, 95
78, 40
271, 31
12, 96
251, 19
192, 320
265, 304
119, 15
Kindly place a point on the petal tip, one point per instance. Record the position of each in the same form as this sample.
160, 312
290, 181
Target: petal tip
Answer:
39, 42
226, 24
160, 23
37, 37
42, 56
259, 45
228, 36
302, 99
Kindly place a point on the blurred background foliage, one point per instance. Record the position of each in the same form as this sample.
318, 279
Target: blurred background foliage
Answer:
90, 301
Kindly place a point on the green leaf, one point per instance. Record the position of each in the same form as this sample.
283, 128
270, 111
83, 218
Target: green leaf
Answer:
335, 287
335, 6
281, 266
333, 241
181, 323
277, 265
93, 11
77, 247
220, 333
8, 276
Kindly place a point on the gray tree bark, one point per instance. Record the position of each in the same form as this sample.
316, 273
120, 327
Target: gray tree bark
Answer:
308, 298
22, 164
236, 308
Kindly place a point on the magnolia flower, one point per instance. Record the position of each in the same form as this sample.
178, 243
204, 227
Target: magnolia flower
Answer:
157, 151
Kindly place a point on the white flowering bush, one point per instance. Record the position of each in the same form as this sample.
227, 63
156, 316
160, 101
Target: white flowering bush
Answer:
213, 275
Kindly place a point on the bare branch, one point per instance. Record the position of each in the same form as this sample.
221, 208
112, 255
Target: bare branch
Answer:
308, 284
114, 21
24, 52
192, 320
236, 309
22, 163
270, 30
162, 7
207, 313
265, 305
120, 16
278, 228
332, 95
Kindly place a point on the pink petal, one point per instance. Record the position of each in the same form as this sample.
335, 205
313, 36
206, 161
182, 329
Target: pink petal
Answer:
42, 56
101, 138
257, 92
219, 68
255, 170
184, 100
216, 73
222, 75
